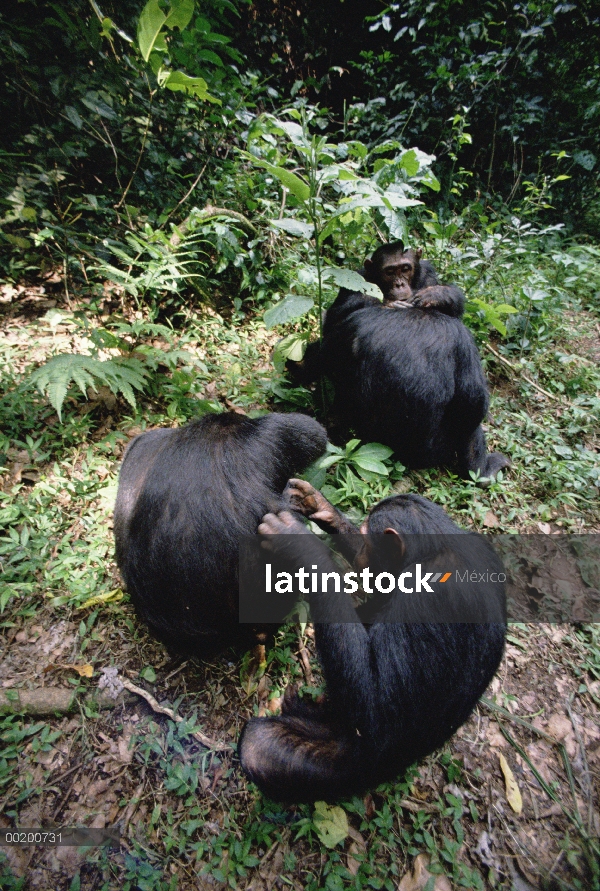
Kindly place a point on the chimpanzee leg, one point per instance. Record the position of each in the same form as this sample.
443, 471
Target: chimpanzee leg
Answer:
473, 456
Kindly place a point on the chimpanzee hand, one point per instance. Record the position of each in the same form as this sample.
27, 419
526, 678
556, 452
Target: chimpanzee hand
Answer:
282, 523
397, 304
447, 299
309, 502
281, 533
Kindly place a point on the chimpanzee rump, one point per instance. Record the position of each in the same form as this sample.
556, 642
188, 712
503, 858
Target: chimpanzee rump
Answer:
406, 372
185, 497
394, 692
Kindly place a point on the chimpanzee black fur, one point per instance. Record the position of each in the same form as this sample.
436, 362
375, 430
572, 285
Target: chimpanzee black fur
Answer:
394, 691
185, 497
406, 372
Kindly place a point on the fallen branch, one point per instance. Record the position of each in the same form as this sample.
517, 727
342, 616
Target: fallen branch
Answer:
305, 659
49, 701
211, 213
524, 376
163, 710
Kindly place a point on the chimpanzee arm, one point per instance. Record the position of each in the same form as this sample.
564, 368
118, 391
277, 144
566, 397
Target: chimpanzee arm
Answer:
443, 298
428, 293
309, 369
314, 363
308, 501
347, 302
343, 642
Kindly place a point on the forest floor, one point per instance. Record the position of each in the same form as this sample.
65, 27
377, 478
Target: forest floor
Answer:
511, 802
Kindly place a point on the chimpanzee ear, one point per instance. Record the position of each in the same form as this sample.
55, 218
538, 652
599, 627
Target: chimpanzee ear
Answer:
398, 541
368, 267
419, 253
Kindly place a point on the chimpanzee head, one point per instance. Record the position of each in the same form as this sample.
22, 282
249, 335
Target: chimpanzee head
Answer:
394, 270
409, 520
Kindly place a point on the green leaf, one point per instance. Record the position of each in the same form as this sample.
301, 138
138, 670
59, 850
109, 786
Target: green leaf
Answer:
291, 181
505, 308
208, 56
587, 160
148, 674
398, 199
107, 26
150, 24
94, 103
17, 240
292, 347
358, 148
432, 181
291, 307
183, 83
345, 278
120, 375
293, 131
181, 14
396, 224
410, 162
375, 450
152, 20
371, 464
294, 227
73, 116
331, 824
327, 461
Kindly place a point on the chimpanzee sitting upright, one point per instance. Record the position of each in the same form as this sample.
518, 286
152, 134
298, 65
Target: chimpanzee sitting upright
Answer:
185, 498
396, 690
406, 372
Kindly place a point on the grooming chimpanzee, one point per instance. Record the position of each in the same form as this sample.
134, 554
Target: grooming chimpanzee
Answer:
395, 691
406, 279
185, 498
406, 372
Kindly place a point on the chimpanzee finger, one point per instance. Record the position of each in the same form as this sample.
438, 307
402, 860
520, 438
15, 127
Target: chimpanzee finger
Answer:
301, 496
270, 525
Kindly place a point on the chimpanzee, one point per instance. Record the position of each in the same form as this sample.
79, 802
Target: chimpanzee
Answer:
185, 498
405, 279
395, 691
406, 372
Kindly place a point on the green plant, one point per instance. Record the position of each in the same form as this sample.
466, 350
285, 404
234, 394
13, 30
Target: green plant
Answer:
330, 193
355, 476
152, 30
154, 263
120, 375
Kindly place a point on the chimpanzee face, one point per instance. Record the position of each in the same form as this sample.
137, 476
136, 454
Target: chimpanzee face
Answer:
397, 274
395, 271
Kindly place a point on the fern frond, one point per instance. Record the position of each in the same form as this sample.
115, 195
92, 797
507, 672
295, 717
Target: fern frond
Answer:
120, 375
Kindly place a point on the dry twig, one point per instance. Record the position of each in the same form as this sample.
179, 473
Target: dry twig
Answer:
163, 710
